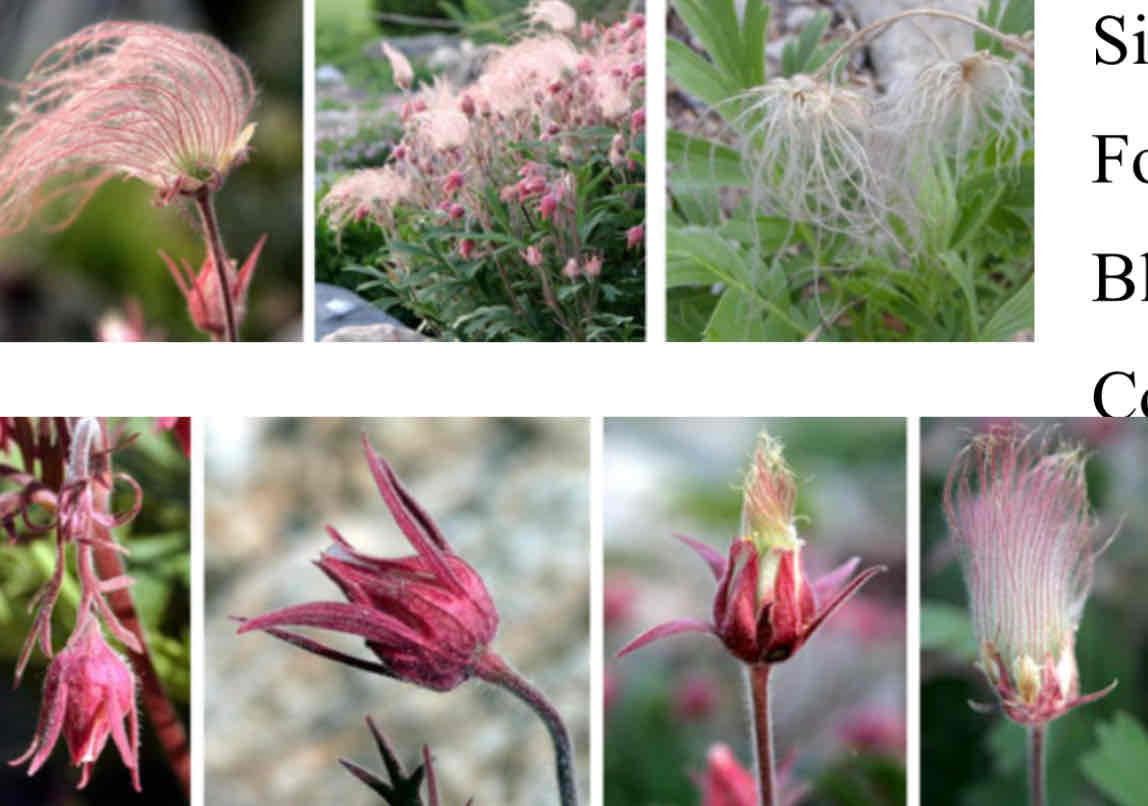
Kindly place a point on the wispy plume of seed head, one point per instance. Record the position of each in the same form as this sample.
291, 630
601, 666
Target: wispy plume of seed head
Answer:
370, 193
1019, 515
960, 106
515, 73
554, 14
443, 122
807, 144
128, 99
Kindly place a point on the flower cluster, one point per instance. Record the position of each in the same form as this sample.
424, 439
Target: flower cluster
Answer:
1019, 517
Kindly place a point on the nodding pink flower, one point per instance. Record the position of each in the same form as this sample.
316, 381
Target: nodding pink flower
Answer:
428, 617
765, 608
508, 193
124, 98
89, 692
201, 291
401, 70
466, 104
457, 211
571, 271
727, 783
466, 248
532, 256
547, 206
638, 120
593, 266
635, 236
454, 181
1019, 517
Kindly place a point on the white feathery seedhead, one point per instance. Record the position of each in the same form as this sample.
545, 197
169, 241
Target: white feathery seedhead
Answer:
960, 106
807, 144
369, 193
553, 13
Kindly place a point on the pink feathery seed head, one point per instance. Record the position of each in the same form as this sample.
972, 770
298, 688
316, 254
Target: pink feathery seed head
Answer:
204, 303
765, 608
553, 13
1019, 517
370, 192
428, 617
89, 693
441, 120
401, 70
123, 98
635, 236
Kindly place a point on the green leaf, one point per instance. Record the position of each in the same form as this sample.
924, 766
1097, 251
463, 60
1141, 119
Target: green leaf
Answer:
714, 24
695, 75
753, 28
804, 54
944, 626
737, 317
698, 161
1117, 766
1013, 316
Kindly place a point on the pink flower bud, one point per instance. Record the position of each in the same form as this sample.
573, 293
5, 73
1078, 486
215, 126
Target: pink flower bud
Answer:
466, 104
593, 266
89, 691
454, 181
532, 256
571, 271
638, 120
466, 248
457, 211
635, 236
204, 302
547, 206
428, 617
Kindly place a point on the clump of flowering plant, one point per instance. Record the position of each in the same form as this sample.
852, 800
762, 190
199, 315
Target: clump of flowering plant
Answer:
427, 618
139, 101
816, 200
765, 608
1019, 517
508, 209
65, 491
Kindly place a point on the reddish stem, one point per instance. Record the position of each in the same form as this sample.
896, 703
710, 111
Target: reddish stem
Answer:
162, 714
763, 732
206, 204
494, 669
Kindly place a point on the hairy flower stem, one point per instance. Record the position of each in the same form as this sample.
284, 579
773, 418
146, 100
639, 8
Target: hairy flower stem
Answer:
162, 714
493, 669
762, 732
205, 203
1013, 43
1036, 755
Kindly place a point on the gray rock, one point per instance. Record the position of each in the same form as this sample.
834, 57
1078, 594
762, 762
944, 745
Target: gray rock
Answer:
904, 49
337, 308
328, 74
382, 332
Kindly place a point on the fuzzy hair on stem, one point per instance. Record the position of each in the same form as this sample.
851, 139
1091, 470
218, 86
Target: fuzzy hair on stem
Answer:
123, 99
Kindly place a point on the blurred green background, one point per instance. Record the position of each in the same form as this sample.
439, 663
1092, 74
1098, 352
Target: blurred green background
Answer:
839, 703
56, 286
969, 758
159, 541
